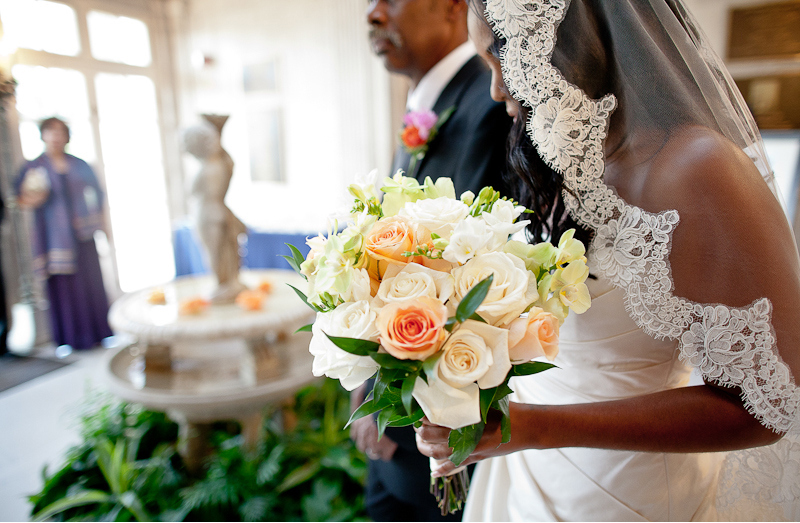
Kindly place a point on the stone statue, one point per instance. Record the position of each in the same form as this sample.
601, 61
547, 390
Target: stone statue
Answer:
216, 224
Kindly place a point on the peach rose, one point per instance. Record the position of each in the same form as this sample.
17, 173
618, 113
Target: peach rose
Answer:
265, 287
193, 306
157, 297
412, 329
387, 241
534, 336
250, 300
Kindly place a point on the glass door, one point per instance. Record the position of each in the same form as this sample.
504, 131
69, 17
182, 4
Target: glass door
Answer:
94, 69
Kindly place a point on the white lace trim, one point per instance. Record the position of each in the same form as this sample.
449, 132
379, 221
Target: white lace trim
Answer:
730, 346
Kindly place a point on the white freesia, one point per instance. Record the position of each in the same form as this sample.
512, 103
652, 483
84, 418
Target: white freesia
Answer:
439, 215
470, 238
365, 186
351, 320
334, 271
501, 222
401, 282
513, 288
317, 245
475, 357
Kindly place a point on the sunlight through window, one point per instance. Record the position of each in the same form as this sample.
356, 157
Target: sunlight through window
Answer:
38, 99
41, 25
135, 182
119, 39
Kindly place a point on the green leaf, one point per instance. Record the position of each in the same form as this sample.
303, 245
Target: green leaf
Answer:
429, 365
132, 502
490, 396
403, 421
407, 390
305, 328
297, 259
477, 317
446, 114
505, 421
533, 367
383, 419
270, 466
293, 264
365, 409
304, 298
85, 497
451, 322
464, 440
473, 299
355, 345
299, 475
387, 361
384, 380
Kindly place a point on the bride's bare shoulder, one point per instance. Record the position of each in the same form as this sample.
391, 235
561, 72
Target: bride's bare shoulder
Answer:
697, 164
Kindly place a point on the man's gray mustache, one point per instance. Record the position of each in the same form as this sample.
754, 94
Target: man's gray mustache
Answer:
384, 34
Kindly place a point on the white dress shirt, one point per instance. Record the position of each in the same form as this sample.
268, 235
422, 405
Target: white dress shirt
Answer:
424, 96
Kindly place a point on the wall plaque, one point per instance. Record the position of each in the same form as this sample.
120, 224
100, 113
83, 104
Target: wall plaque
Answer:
765, 31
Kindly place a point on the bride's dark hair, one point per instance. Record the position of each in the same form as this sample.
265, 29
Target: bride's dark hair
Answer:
541, 188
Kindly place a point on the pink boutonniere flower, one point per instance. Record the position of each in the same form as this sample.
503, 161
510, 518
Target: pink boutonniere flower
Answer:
421, 127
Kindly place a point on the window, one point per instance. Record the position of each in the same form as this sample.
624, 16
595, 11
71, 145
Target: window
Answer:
38, 99
41, 25
119, 39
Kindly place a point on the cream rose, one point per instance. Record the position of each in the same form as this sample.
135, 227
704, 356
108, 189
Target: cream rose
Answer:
534, 336
351, 320
438, 215
513, 288
412, 329
412, 281
386, 242
475, 357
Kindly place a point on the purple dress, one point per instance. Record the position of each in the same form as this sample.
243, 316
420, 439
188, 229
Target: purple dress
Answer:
64, 253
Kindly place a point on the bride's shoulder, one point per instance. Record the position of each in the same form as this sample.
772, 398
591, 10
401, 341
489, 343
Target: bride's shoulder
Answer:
697, 164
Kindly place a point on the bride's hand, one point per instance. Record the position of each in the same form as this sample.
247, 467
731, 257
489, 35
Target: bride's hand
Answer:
433, 441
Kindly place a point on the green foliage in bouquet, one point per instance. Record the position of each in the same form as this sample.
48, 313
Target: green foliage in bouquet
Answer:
127, 468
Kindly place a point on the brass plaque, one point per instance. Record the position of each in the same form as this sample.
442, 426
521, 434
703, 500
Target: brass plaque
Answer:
773, 100
765, 31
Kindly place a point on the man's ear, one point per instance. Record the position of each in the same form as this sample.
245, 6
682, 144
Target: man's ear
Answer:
457, 9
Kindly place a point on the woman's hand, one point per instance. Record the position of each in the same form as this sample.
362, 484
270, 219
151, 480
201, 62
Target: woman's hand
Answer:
433, 441
32, 199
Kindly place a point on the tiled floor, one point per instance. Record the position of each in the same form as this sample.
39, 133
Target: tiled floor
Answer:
37, 426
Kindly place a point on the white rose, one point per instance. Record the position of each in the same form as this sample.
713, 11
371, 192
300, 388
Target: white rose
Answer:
439, 215
350, 320
475, 357
470, 238
359, 289
411, 281
512, 291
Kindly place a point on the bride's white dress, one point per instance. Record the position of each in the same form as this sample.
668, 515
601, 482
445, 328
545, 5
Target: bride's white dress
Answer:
603, 356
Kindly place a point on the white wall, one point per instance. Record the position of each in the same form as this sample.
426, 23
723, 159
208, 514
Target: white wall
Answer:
334, 97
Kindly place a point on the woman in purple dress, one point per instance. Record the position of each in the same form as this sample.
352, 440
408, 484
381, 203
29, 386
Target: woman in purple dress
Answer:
66, 199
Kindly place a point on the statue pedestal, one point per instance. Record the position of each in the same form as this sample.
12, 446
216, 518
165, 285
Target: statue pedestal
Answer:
222, 364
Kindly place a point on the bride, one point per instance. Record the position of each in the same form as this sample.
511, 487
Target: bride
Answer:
629, 127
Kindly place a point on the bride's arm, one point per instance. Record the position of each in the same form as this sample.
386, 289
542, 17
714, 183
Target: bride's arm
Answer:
691, 419
733, 246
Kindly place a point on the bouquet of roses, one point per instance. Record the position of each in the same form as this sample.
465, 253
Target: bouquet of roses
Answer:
427, 293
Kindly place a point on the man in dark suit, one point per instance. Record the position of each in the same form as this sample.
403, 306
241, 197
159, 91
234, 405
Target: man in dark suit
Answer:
426, 41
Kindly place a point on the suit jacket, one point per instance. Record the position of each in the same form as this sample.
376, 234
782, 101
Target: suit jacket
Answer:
471, 150
470, 147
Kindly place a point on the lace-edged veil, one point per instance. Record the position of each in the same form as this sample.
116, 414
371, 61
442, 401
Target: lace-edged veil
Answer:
633, 78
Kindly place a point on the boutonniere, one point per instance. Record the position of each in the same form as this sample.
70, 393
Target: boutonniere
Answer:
421, 127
